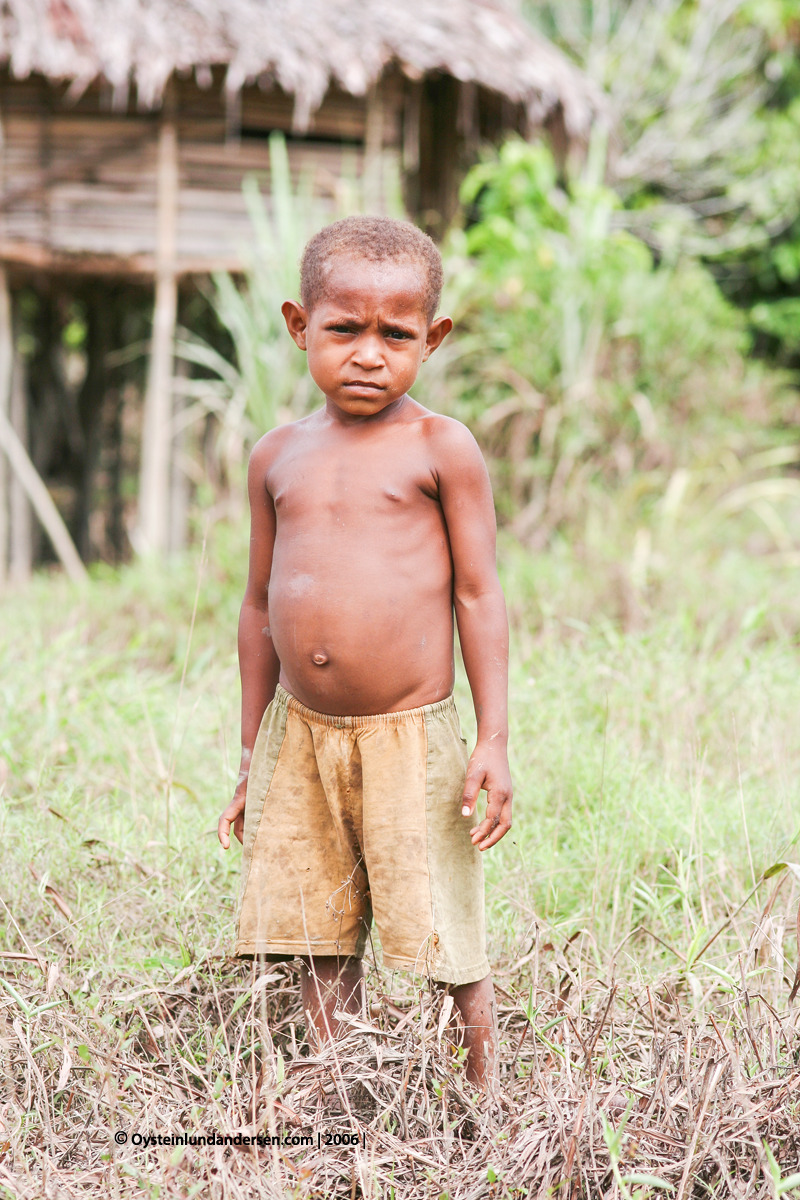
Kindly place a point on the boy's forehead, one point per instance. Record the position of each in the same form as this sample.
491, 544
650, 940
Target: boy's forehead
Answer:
349, 280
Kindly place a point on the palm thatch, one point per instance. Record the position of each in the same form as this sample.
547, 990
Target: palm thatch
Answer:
302, 45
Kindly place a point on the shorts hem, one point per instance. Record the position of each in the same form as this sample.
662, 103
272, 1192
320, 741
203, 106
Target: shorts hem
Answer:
283, 951
471, 974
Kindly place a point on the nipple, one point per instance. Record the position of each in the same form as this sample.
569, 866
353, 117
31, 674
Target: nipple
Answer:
320, 659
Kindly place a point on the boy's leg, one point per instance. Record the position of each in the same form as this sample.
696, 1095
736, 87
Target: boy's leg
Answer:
328, 983
476, 1003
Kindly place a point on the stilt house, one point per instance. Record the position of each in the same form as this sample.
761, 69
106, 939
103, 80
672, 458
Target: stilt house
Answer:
128, 127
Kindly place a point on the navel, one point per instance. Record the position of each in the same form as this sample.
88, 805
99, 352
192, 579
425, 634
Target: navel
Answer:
320, 658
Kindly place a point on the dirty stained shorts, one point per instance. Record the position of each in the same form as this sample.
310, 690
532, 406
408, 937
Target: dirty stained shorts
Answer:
353, 817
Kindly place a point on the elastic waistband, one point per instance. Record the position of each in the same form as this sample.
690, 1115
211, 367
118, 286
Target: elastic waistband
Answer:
406, 717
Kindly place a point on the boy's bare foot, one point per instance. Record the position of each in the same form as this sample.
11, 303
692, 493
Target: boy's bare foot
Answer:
328, 983
476, 1004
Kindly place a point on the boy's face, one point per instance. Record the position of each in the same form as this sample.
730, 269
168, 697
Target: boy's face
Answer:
368, 335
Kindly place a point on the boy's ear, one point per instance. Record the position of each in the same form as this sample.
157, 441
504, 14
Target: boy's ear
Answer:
296, 319
437, 332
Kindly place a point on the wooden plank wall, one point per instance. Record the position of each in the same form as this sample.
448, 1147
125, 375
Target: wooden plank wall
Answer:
80, 181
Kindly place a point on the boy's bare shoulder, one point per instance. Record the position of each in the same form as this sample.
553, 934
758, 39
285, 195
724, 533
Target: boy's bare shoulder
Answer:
449, 440
276, 440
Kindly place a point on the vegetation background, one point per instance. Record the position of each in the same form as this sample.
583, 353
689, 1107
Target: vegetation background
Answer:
626, 346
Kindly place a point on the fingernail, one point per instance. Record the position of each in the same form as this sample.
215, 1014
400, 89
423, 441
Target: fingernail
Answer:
465, 811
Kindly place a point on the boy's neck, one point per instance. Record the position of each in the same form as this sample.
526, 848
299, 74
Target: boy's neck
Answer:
340, 415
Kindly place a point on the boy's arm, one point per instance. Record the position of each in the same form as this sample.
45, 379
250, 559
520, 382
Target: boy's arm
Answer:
258, 663
466, 498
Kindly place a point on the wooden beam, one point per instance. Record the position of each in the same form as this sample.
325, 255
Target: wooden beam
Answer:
411, 118
373, 151
19, 509
6, 356
179, 480
42, 501
152, 533
138, 266
77, 166
6, 353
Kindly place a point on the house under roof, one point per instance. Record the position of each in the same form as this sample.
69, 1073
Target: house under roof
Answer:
303, 46
88, 82
128, 127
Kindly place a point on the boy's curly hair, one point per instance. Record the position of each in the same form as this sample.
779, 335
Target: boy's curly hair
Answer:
379, 239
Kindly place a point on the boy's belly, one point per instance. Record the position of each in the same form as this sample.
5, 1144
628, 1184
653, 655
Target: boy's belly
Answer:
358, 632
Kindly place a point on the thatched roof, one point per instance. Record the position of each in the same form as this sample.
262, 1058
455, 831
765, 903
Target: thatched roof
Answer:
304, 45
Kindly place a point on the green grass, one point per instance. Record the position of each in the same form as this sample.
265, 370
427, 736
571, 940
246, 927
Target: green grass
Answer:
656, 770
655, 756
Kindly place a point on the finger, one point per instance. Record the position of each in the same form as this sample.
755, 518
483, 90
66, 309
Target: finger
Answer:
479, 832
493, 828
224, 832
498, 814
499, 831
469, 797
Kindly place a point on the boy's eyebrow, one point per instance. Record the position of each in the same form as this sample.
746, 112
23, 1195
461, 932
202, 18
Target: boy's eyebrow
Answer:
350, 319
341, 318
399, 327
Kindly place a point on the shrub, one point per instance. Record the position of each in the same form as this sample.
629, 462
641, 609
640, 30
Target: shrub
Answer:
577, 357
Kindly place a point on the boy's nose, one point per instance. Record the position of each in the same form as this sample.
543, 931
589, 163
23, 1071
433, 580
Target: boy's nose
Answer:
368, 352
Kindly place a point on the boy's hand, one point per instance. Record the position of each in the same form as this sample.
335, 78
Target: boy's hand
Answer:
488, 769
233, 816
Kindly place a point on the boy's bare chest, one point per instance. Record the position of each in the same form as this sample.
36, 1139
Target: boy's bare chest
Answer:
360, 482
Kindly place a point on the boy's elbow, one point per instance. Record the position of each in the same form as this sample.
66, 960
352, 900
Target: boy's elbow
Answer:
255, 602
478, 593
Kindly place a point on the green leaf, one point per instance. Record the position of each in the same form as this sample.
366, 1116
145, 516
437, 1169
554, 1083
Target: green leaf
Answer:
84, 1053
491, 1175
245, 996
722, 974
701, 933
44, 1007
777, 867
20, 1000
789, 1183
650, 1180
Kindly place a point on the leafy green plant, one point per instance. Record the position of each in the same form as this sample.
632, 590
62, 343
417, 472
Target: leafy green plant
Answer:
703, 101
579, 360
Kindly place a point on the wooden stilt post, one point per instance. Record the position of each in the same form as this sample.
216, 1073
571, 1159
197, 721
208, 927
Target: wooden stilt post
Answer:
6, 354
412, 114
30, 481
412, 111
179, 483
373, 151
19, 508
22, 486
153, 523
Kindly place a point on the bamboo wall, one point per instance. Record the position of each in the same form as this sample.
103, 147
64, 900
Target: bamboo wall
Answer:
81, 182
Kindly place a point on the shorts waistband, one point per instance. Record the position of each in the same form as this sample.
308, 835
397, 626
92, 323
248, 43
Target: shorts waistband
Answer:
407, 716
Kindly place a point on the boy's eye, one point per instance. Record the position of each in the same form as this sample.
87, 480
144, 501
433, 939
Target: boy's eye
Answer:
398, 335
341, 328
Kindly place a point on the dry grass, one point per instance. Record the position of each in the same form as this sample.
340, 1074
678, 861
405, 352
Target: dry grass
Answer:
606, 1089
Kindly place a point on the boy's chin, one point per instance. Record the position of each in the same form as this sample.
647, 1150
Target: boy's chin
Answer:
360, 405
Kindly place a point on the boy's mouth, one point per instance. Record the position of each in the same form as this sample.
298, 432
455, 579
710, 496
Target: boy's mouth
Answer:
364, 383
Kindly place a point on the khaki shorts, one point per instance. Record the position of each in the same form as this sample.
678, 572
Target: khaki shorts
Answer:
350, 817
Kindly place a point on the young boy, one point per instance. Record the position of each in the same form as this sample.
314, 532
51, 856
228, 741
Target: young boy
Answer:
372, 522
